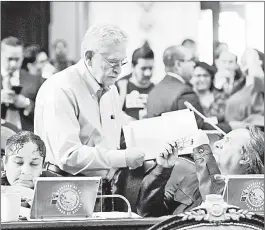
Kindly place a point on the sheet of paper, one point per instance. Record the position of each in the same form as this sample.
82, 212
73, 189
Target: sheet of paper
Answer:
153, 135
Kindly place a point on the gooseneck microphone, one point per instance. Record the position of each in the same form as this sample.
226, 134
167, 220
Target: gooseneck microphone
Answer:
190, 106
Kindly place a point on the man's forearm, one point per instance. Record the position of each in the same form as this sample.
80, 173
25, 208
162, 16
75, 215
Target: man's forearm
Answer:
150, 200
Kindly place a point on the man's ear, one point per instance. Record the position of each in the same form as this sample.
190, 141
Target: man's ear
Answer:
217, 63
89, 55
245, 157
177, 63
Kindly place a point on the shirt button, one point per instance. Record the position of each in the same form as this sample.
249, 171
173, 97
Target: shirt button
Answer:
201, 150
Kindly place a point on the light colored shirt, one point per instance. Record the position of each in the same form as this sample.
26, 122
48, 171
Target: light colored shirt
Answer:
12, 116
176, 76
81, 131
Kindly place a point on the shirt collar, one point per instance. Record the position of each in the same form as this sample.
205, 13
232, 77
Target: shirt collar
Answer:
86, 72
176, 76
4, 73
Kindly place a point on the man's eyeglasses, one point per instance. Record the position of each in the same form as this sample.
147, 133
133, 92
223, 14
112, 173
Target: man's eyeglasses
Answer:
114, 64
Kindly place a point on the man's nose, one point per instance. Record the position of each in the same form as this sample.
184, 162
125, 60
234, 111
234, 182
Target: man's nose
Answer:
147, 72
26, 169
117, 69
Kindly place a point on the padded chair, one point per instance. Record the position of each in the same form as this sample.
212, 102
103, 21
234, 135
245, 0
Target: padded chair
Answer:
7, 130
213, 215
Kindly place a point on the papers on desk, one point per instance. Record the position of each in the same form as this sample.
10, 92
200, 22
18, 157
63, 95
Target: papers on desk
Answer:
152, 135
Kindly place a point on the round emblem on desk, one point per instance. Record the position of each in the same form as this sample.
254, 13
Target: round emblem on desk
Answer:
69, 200
253, 195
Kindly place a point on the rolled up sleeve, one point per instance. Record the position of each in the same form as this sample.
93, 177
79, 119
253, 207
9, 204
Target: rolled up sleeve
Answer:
60, 130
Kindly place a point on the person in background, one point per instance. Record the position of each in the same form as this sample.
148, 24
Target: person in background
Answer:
171, 93
36, 62
60, 59
220, 47
247, 105
228, 78
18, 87
240, 152
191, 45
212, 101
135, 87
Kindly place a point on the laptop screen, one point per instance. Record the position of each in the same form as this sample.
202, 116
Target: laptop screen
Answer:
64, 197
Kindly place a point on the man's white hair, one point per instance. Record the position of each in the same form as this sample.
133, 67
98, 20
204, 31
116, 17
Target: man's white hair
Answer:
99, 35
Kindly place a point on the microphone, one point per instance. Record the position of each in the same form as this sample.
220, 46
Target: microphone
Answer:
190, 106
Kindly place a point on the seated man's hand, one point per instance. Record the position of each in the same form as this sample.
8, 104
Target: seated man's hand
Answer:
134, 158
167, 158
199, 138
21, 101
7, 96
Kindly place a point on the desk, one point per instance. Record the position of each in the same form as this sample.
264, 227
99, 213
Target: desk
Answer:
109, 224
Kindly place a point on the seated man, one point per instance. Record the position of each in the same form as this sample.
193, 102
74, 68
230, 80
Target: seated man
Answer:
240, 152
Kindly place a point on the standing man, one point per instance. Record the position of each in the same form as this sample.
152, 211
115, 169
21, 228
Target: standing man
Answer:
171, 93
78, 114
18, 87
135, 87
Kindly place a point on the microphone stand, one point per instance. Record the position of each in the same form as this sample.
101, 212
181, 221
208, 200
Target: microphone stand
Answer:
189, 106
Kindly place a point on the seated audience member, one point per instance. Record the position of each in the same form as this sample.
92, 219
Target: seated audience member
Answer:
60, 60
24, 156
212, 101
135, 87
36, 62
240, 152
228, 78
247, 105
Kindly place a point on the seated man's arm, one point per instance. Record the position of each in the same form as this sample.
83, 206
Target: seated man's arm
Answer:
206, 169
152, 199
57, 124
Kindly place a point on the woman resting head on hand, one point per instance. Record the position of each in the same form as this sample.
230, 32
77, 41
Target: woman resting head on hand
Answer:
23, 161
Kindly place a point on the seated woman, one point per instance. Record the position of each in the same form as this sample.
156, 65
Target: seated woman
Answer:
240, 152
23, 161
212, 101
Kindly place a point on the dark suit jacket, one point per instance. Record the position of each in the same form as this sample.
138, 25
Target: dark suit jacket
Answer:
170, 95
30, 86
158, 199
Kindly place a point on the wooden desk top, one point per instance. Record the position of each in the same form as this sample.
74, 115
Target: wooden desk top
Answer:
102, 224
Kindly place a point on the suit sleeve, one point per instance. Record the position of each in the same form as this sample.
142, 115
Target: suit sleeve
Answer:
193, 99
153, 200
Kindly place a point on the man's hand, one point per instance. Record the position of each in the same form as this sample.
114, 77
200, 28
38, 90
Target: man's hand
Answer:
167, 158
134, 158
21, 101
8, 96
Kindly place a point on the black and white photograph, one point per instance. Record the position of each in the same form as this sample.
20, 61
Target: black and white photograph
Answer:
132, 115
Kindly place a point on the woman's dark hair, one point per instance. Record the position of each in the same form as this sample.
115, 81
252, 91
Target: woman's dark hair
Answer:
30, 55
18, 140
211, 70
145, 52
